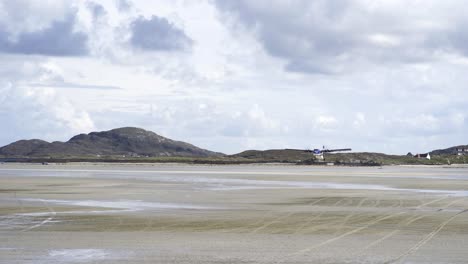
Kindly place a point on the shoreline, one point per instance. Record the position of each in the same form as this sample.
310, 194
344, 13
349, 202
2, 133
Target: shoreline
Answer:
253, 164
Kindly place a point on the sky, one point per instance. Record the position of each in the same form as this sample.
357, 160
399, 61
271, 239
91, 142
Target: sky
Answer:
230, 75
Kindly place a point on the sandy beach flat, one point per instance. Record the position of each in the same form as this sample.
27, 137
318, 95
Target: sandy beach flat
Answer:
115, 213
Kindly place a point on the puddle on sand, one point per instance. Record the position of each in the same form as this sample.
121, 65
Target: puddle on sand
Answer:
245, 184
124, 205
79, 255
28, 221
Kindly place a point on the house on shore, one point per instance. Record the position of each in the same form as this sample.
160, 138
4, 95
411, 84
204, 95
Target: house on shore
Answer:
423, 156
462, 151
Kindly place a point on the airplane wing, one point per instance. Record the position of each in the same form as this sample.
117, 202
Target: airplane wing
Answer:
304, 150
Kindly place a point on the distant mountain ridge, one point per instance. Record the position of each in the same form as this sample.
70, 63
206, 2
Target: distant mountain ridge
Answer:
125, 141
444, 156
138, 145
449, 151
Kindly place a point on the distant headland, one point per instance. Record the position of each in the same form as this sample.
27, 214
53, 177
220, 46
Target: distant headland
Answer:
136, 145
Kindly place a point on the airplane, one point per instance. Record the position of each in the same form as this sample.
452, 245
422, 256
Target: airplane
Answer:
318, 153
321, 151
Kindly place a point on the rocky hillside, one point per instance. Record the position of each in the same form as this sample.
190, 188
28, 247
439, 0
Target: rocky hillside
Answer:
127, 141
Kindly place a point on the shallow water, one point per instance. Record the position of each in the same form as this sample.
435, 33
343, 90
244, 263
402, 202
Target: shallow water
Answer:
198, 177
129, 205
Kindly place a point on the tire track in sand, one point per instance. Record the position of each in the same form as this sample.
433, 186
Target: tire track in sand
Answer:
304, 225
278, 219
408, 222
426, 239
337, 238
47, 220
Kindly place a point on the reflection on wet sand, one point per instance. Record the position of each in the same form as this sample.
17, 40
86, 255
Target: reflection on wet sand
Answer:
231, 214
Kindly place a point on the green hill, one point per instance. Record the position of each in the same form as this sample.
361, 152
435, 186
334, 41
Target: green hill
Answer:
126, 141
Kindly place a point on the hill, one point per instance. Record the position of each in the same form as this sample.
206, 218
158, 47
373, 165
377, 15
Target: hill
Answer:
448, 151
353, 158
303, 157
275, 155
130, 144
373, 158
126, 141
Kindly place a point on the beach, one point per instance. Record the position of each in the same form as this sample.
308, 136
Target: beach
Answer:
176, 213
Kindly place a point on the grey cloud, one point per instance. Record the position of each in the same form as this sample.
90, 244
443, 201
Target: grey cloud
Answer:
459, 39
96, 9
158, 34
305, 66
332, 36
123, 5
59, 39
302, 32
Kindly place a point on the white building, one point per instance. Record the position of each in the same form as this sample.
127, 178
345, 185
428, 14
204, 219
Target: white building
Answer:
462, 151
423, 156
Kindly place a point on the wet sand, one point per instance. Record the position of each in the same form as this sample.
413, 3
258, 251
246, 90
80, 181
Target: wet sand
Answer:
108, 213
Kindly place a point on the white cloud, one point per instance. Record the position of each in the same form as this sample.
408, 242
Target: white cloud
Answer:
39, 113
359, 120
326, 122
384, 40
335, 37
358, 74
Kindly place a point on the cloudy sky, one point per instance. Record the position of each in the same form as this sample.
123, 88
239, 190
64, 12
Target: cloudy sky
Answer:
229, 75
